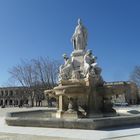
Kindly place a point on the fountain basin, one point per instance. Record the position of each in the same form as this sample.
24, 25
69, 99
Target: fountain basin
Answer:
43, 118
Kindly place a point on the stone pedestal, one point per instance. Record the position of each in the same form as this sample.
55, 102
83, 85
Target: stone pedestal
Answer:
71, 92
68, 93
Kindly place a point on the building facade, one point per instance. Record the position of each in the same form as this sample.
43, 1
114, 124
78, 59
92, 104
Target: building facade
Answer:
121, 91
21, 96
124, 92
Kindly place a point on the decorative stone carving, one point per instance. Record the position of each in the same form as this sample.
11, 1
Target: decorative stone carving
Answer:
79, 38
72, 106
65, 70
89, 63
81, 63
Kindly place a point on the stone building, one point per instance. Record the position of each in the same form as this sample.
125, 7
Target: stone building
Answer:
123, 92
21, 96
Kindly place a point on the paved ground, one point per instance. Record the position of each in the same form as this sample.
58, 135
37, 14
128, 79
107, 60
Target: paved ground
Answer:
3, 111
9, 136
36, 133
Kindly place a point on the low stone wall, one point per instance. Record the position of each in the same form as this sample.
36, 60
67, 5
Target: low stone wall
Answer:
92, 123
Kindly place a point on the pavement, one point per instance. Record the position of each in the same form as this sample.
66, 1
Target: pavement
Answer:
38, 133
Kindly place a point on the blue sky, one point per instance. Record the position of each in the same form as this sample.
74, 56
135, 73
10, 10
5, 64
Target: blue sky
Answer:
34, 28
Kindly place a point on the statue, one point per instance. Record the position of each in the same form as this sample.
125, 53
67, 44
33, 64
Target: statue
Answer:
79, 38
90, 65
82, 64
65, 70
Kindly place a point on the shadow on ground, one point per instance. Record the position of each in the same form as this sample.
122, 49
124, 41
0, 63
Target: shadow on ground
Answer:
121, 127
134, 112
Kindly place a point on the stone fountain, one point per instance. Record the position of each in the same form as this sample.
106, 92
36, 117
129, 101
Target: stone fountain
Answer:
80, 82
84, 102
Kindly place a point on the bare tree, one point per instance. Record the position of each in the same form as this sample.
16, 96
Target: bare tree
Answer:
46, 71
135, 75
41, 71
36, 75
22, 73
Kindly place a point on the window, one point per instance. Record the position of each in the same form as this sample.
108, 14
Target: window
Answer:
2, 93
6, 92
11, 93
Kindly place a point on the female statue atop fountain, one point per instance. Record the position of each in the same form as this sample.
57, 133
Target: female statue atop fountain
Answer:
79, 38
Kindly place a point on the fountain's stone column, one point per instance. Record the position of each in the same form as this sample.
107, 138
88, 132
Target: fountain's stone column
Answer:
60, 110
